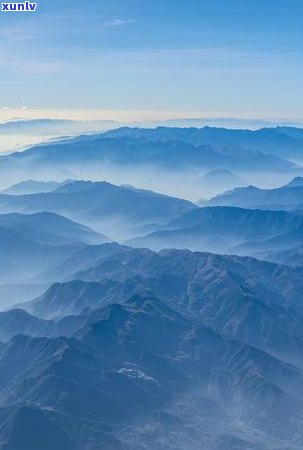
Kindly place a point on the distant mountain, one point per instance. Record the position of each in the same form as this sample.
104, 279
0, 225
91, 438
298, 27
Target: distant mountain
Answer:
22, 259
55, 127
179, 157
292, 257
31, 244
286, 142
21, 134
218, 176
87, 256
50, 228
17, 292
218, 180
33, 187
283, 241
292, 131
288, 197
225, 122
227, 230
109, 208
166, 148
18, 321
199, 347
296, 182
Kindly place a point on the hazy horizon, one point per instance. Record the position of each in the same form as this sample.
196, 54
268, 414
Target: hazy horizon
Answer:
101, 121
222, 59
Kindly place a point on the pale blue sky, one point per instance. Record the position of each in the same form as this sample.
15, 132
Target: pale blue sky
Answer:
219, 57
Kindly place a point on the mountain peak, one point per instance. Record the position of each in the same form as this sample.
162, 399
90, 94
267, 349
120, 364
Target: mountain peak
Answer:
296, 182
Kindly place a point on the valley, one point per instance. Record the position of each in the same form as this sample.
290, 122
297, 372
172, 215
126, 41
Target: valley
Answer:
133, 319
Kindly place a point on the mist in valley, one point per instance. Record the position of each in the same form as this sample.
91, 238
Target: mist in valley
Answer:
157, 298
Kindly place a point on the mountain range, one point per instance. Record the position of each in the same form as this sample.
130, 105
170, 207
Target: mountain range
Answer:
190, 163
33, 187
170, 149
137, 320
133, 151
227, 230
286, 142
288, 197
187, 350
291, 256
116, 210
44, 127
35, 243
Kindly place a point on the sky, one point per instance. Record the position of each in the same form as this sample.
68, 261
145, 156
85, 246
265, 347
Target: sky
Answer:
133, 59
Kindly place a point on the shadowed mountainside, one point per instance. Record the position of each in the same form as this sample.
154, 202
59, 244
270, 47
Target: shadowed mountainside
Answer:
115, 210
204, 349
227, 230
288, 197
